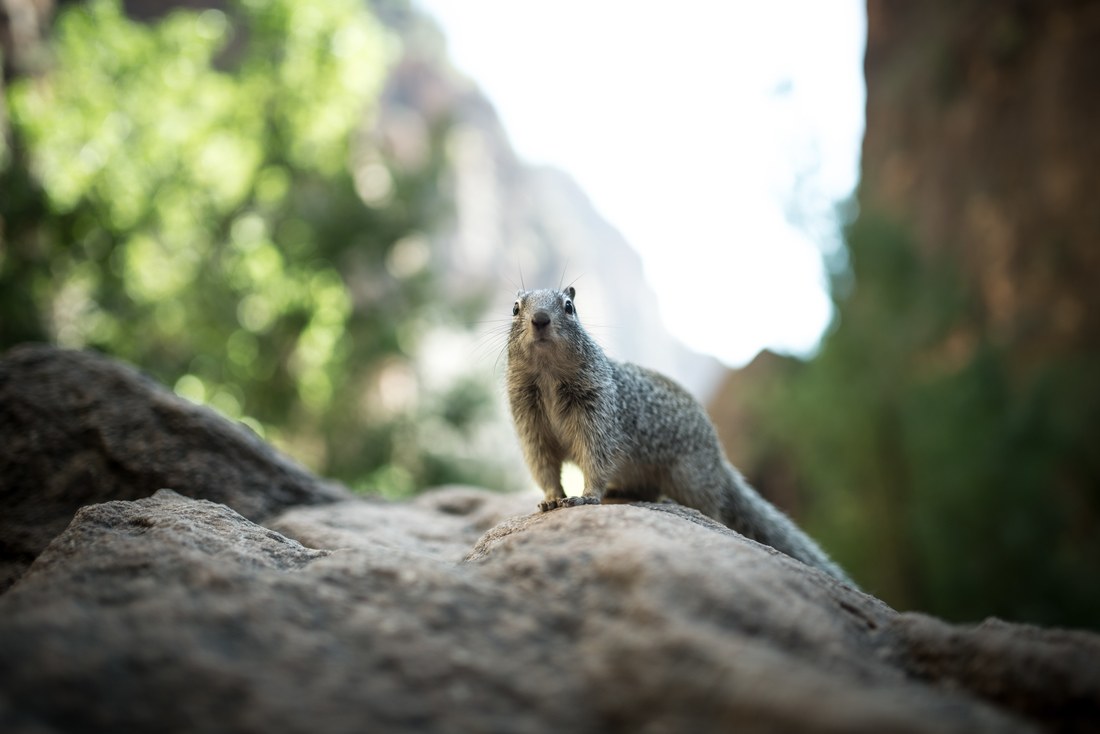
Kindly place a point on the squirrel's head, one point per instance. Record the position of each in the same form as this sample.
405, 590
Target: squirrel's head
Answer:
544, 325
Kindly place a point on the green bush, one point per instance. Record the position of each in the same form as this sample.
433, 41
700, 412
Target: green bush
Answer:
181, 195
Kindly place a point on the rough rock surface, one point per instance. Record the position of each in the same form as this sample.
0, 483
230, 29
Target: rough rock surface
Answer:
462, 611
77, 428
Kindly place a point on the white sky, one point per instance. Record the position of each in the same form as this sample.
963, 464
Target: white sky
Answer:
700, 129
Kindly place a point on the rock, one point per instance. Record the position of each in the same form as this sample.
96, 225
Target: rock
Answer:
172, 614
77, 428
444, 523
462, 610
1049, 675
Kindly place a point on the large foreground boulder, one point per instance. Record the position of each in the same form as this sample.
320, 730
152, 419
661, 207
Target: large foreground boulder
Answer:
463, 611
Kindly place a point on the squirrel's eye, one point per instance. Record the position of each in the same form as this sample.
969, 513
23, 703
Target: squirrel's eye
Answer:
569, 307
515, 308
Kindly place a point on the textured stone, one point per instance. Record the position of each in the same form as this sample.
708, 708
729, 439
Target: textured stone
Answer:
462, 610
77, 428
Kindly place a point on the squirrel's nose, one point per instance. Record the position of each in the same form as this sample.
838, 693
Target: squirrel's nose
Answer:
540, 319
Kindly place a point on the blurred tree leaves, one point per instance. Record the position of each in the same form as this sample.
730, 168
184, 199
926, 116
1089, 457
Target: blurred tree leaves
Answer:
945, 472
201, 196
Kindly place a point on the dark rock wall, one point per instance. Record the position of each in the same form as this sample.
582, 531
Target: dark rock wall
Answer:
981, 134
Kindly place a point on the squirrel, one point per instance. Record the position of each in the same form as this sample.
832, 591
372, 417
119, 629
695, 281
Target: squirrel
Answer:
635, 433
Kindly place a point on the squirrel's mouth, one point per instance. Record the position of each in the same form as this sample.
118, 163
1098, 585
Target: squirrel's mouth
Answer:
541, 337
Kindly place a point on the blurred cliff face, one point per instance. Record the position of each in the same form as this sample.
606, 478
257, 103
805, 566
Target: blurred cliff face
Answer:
942, 440
981, 134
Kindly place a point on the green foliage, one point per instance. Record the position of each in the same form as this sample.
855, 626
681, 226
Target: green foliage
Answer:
180, 195
946, 476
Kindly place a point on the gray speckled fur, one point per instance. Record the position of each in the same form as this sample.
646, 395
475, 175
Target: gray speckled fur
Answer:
632, 431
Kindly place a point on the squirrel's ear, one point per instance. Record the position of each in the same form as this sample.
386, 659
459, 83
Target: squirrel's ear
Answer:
571, 292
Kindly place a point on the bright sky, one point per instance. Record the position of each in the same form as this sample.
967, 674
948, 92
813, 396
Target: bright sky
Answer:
716, 135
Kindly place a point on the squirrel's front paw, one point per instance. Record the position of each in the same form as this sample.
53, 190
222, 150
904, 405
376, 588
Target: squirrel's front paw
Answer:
576, 501
554, 504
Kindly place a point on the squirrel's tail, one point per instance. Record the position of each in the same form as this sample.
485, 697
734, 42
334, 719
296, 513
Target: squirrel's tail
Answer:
744, 510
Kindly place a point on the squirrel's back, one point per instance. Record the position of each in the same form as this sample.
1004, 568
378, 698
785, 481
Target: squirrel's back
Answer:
632, 431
